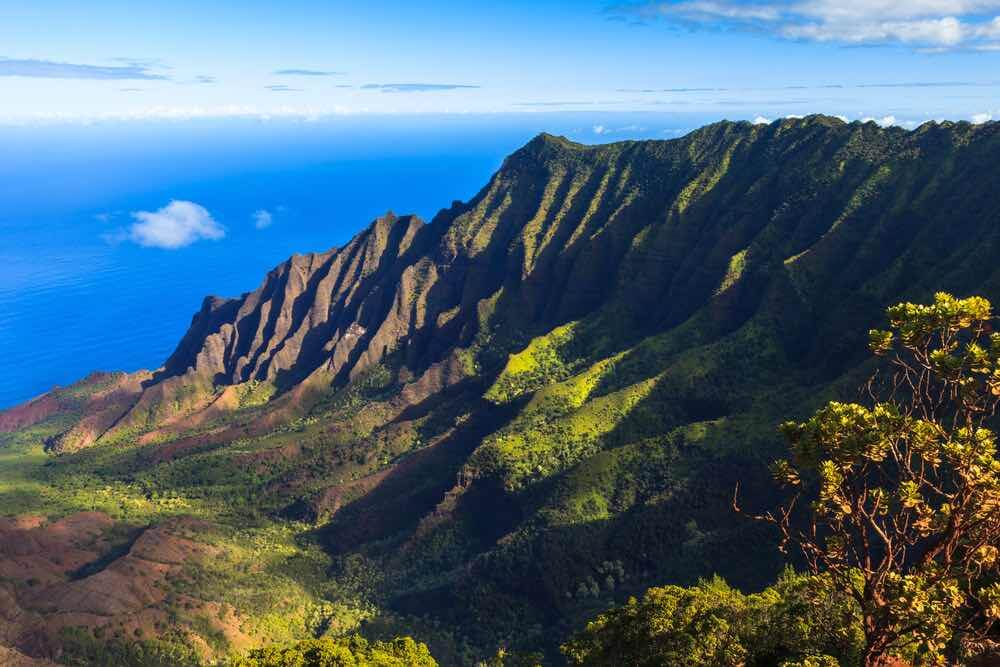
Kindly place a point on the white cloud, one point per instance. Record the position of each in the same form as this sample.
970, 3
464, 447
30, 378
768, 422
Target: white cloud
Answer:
884, 121
624, 129
48, 69
926, 25
177, 114
723, 9
760, 120
944, 32
178, 224
980, 118
262, 219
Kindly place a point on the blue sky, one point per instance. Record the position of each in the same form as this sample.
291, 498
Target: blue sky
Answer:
902, 61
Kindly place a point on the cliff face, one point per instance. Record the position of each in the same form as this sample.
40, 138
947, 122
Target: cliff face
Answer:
314, 310
574, 367
829, 212
332, 314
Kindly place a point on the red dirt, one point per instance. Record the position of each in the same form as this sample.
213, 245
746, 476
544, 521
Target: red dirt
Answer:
39, 594
29, 413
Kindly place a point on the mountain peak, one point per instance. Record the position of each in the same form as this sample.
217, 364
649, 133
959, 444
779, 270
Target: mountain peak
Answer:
546, 139
545, 144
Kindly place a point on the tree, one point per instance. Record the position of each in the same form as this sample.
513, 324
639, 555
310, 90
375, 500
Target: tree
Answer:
800, 620
906, 515
353, 651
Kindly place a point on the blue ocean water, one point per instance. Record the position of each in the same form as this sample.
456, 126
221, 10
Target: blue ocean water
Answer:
74, 298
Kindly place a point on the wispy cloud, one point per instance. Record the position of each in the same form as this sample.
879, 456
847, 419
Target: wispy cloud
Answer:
824, 86
282, 88
570, 103
671, 90
199, 80
414, 87
980, 118
178, 113
306, 72
604, 129
49, 69
148, 63
178, 224
929, 25
924, 84
262, 219
738, 102
578, 103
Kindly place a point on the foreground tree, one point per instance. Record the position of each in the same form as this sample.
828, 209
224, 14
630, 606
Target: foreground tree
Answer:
906, 516
800, 621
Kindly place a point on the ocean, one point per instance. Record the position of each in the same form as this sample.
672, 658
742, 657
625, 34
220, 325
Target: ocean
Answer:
76, 296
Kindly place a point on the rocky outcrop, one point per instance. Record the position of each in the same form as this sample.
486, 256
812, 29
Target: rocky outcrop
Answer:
312, 310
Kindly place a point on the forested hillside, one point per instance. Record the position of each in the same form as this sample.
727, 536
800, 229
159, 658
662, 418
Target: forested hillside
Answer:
485, 430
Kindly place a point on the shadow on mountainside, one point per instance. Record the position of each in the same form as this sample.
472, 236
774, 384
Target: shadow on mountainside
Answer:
412, 488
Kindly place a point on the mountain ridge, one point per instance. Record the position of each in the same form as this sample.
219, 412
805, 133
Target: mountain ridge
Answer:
557, 383
281, 354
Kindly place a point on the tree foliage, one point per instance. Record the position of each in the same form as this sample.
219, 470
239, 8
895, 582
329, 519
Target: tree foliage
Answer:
81, 649
801, 620
906, 489
353, 651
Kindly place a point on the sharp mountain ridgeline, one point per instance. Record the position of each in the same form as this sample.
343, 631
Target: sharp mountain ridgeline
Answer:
485, 429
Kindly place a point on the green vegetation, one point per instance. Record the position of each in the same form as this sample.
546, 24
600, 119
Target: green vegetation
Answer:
536, 365
737, 263
487, 431
255, 393
800, 620
907, 518
903, 528
352, 651
80, 649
